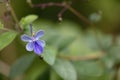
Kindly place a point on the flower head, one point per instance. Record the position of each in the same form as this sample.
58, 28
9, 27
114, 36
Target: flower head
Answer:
34, 44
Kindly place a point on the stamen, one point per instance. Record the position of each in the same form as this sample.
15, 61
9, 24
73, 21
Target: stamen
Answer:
33, 34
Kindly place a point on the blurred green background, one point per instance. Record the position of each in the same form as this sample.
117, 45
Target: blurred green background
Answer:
75, 50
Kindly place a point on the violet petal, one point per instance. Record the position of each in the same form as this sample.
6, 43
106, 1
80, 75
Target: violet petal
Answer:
29, 46
39, 34
41, 42
38, 49
26, 38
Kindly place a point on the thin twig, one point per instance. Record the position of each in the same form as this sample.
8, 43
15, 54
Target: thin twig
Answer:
80, 16
44, 5
61, 13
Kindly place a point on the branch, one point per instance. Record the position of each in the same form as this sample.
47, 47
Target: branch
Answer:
67, 6
116, 74
45, 5
79, 15
87, 57
4, 68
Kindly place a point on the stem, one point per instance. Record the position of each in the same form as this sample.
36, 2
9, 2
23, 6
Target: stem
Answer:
31, 30
9, 8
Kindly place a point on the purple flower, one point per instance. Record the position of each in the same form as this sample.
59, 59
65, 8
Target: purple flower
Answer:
34, 44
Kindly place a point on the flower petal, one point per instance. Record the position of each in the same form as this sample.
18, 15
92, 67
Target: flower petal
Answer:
38, 49
39, 34
26, 38
29, 46
41, 42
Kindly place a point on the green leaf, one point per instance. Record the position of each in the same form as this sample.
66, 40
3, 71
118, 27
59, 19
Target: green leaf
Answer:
6, 38
63, 42
36, 70
96, 39
67, 28
1, 26
49, 55
28, 20
1, 76
105, 40
78, 48
89, 68
65, 69
87, 46
106, 76
45, 75
54, 76
21, 65
114, 53
108, 61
